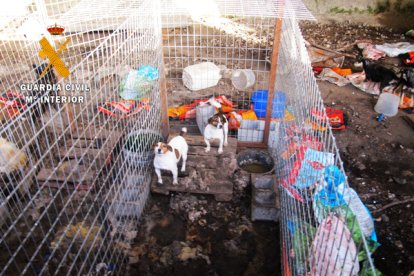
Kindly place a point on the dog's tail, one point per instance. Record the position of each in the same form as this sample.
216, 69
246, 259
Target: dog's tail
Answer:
183, 131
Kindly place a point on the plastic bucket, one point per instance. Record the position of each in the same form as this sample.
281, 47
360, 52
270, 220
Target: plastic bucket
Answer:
138, 147
259, 100
203, 113
242, 79
387, 104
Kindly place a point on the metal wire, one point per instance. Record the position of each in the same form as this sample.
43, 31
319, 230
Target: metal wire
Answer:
76, 217
302, 217
80, 216
231, 43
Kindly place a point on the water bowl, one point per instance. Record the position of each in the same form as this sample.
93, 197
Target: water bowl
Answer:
254, 161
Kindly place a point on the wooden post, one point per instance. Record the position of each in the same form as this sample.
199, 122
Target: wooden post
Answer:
165, 125
272, 79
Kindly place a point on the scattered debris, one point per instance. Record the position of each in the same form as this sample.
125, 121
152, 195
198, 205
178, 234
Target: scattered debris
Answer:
333, 77
395, 49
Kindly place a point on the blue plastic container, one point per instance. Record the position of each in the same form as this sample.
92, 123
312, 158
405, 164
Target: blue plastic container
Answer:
259, 99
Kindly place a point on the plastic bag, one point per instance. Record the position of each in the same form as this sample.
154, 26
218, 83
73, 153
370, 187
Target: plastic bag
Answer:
333, 249
395, 49
249, 115
330, 75
312, 167
358, 208
139, 83
234, 121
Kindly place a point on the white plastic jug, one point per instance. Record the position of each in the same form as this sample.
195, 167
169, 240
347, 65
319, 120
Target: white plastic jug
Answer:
387, 104
203, 113
201, 76
242, 79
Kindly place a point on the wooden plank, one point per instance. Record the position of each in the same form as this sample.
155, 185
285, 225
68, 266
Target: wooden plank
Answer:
78, 152
222, 187
109, 142
198, 140
223, 190
164, 104
272, 78
80, 174
206, 173
251, 145
82, 143
68, 186
92, 133
199, 150
175, 128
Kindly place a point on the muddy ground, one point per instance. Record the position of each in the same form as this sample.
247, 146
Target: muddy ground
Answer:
378, 157
184, 234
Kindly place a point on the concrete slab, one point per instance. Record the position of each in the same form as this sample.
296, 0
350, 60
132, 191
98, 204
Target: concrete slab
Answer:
265, 198
264, 213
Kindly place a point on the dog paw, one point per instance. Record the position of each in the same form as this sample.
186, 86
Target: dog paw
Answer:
207, 149
175, 183
220, 151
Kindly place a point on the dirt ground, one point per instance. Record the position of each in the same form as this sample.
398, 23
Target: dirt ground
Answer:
378, 160
378, 157
184, 234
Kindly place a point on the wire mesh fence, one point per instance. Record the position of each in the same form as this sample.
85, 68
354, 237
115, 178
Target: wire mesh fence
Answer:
75, 152
326, 229
219, 48
76, 146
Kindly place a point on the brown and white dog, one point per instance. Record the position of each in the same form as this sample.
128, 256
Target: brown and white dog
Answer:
217, 128
168, 155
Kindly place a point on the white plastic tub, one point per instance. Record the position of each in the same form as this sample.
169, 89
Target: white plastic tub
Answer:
201, 76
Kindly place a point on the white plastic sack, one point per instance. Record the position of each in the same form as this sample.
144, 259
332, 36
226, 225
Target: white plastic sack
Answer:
395, 49
201, 76
369, 51
358, 208
370, 87
333, 251
331, 76
357, 80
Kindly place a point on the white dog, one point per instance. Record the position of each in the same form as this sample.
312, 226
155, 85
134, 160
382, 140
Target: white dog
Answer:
168, 156
217, 128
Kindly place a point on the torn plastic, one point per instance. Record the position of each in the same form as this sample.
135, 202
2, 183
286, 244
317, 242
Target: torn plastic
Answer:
395, 49
331, 76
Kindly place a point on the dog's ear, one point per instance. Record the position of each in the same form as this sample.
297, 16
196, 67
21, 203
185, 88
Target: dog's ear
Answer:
210, 120
169, 148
